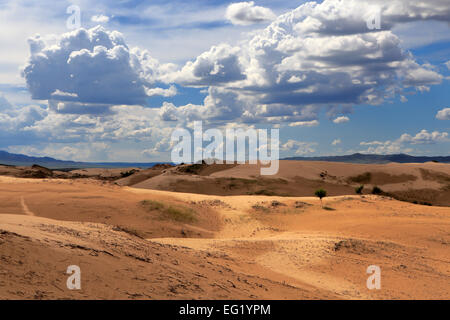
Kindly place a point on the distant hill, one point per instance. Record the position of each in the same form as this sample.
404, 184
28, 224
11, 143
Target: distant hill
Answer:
374, 158
23, 160
7, 158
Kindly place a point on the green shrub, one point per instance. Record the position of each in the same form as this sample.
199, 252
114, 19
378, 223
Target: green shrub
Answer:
359, 189
377, 190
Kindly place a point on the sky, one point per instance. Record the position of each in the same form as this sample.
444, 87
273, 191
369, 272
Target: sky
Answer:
335, 77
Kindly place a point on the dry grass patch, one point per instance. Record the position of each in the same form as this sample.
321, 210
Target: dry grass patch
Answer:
173, 212
431, 175
127, 230
380, 178
152, 205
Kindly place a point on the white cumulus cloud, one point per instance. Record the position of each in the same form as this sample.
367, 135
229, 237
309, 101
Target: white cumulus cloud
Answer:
311, 123
91, 67
448, 64
100, 18
341, 119
319, 55
404, 143
424, 137
218, 65
443, 114
246, 13
336, 142
298, 147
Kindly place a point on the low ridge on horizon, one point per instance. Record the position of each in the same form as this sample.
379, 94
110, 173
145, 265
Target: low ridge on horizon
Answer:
8, 158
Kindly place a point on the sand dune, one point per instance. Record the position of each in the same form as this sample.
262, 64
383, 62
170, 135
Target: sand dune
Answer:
130, 245
421, 183
35, 253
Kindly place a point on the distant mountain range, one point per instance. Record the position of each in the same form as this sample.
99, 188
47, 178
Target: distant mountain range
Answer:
375, 158
23, 160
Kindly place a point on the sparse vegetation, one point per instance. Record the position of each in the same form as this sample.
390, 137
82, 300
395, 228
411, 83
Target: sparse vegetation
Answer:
321, 193
214, 203
174, 212
195, 168
264, 192
380, 178
125, 174
431, 175
359, 190
424, 203
232, 185
301, 204
259, 207
132, 232
179, 213
426, 197
362, 178
377, 190
152, 205
276, 203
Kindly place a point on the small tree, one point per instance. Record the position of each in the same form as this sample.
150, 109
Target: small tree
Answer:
321, 193
359, 189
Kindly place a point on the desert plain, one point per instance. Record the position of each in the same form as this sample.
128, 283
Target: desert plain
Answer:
225, 232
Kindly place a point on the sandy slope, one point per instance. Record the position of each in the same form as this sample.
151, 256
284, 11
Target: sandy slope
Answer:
331, 250
244, 246
35, 253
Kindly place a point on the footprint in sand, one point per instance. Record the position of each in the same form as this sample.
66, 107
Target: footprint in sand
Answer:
27, 211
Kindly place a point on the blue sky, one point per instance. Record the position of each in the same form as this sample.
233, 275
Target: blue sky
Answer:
115, 89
